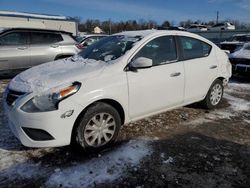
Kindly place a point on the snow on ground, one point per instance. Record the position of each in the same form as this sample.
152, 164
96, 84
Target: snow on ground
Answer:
14, 158
107, 168
16, 161
237, 105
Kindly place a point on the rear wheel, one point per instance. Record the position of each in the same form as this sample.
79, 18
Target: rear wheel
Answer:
98, 127
214, 95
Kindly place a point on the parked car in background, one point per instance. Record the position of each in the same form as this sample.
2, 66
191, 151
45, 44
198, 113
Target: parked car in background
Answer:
197, 27
237, 41
22, 48
240, 60
177, 28
223, 26
122, 78
88, 40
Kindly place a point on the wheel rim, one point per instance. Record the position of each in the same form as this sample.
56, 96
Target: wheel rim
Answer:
216, 94
100, 129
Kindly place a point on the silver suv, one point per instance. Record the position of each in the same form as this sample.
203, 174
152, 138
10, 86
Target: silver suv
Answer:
23, 48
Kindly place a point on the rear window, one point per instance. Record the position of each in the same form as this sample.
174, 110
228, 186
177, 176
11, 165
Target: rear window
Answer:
194, 48
45, 38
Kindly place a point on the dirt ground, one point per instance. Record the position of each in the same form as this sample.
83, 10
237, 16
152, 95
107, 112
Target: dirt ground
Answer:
186, 147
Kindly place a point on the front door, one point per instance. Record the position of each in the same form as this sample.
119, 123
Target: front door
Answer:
159, 87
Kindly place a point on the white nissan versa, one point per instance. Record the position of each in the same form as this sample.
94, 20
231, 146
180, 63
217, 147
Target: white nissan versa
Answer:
122, 78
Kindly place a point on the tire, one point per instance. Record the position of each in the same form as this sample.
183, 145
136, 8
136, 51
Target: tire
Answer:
99, 127
214, 95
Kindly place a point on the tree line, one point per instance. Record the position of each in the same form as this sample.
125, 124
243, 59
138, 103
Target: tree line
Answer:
110, 27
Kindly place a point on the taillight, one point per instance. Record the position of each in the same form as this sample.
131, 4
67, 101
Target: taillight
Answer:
80, 46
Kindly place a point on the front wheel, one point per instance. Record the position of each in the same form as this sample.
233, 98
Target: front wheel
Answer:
214, 95
98, 127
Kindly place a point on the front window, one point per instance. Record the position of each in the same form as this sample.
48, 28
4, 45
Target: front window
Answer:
161, 50
15, 38
110, 48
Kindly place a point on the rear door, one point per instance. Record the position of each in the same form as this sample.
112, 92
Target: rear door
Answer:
14, 50
200, 66
44, 47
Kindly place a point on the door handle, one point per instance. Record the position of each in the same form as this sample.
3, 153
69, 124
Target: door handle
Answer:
175, 74
22, 48
54, 45
213, 67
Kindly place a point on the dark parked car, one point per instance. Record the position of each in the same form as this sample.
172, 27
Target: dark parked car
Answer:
235, 42
240, 60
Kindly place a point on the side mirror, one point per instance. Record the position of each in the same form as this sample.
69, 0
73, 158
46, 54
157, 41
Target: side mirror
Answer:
141, 62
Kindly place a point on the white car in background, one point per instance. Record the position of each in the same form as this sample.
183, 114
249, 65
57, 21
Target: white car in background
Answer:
87, 40
223, 26
122, 78
197, 27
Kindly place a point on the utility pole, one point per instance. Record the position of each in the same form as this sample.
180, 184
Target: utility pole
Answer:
110, 26
217, 17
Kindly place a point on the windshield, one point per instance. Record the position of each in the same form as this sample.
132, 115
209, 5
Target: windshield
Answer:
110, 48
79, 38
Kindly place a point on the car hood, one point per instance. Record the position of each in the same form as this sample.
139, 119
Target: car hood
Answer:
242, 53
53, 74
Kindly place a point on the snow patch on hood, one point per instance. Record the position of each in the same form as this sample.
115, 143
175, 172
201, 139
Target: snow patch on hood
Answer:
106, 168
46, 76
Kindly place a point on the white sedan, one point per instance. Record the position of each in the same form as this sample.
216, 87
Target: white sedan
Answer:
121, 78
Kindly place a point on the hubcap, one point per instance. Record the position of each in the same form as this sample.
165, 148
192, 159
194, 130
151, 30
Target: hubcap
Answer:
216, 94
100, 130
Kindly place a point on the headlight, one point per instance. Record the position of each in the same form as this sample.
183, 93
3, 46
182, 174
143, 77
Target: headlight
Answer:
49, 101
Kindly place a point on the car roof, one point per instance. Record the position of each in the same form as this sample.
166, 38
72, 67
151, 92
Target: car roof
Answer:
153, 33
144, 33
33, 29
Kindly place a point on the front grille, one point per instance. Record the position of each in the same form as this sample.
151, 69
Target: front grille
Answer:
12, 96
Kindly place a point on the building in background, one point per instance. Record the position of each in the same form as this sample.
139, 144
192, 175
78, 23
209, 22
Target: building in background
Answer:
29, 20
98, 30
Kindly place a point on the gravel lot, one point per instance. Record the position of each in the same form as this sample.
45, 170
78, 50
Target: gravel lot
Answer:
186, 147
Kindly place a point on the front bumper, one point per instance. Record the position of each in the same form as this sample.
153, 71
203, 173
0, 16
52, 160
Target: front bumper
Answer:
53, 123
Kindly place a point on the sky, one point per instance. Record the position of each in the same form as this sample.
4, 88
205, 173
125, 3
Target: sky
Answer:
117, 10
